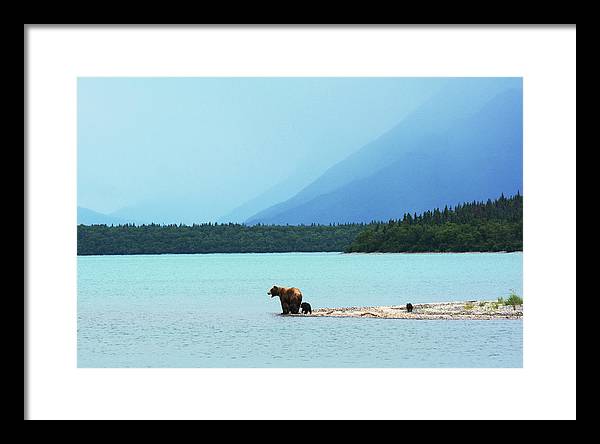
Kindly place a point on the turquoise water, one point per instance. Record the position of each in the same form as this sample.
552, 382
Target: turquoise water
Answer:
213, 310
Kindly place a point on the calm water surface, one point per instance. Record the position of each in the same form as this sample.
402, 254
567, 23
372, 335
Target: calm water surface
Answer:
213, 311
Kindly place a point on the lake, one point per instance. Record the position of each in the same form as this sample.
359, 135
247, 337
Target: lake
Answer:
213, 310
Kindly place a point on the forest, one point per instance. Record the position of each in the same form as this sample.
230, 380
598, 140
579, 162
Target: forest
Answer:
475, 226
213, 238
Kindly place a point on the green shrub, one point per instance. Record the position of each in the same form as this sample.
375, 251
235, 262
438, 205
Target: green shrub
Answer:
514, 300
469, 306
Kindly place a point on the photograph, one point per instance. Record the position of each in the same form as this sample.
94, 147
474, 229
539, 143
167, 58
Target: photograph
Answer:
300, 222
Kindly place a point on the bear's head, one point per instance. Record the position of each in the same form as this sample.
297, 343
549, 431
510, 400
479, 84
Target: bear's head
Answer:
274, 291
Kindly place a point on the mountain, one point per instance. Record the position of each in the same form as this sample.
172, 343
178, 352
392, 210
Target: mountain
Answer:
163, 210
266, 199
279, 192
86, 216
464, 144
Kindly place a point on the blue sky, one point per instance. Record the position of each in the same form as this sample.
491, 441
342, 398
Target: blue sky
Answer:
192, 149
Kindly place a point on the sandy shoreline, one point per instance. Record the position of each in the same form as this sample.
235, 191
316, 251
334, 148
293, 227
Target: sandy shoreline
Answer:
470, 310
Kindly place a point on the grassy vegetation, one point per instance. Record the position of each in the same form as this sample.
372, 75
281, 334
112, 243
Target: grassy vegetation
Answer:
514, 300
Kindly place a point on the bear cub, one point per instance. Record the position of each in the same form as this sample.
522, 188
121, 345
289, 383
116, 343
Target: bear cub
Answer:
306, 308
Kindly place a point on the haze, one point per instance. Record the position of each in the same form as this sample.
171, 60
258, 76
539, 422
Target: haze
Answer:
191, 150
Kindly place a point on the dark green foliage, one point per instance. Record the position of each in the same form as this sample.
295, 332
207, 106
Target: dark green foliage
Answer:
477, 226
213, 238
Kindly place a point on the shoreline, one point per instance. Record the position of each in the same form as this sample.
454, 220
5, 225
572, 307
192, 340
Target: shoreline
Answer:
373, 253
465, 310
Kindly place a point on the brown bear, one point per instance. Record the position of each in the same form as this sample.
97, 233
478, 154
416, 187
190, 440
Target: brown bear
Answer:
290, 298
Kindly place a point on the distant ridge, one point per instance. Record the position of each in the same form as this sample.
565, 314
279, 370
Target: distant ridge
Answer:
464, 144
85, 216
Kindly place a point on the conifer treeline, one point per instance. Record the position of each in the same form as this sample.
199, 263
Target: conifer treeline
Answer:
476, 226
213, 238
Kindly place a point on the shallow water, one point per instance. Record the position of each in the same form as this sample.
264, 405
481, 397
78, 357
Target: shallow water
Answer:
213, 310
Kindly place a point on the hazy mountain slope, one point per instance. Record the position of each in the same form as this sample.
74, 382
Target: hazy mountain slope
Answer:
272, 196
86, 216
479, 156
460, 99
164, 210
